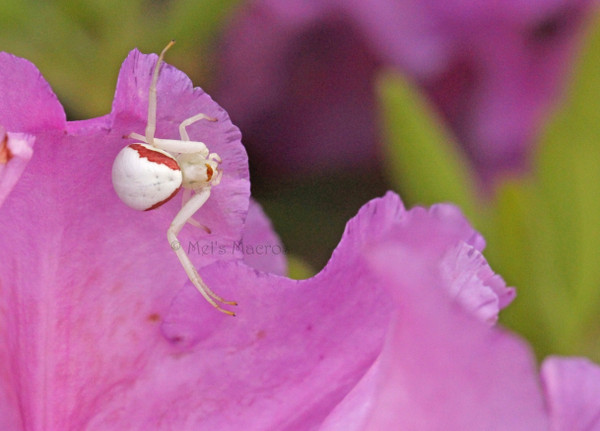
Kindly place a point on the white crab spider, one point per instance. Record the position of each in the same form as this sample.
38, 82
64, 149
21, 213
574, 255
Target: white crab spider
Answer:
148, 173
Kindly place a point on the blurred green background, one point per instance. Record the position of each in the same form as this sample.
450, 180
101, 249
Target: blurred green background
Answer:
542, 229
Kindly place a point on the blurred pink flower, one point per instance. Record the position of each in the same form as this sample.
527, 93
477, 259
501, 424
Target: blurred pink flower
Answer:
298, 76
100, 329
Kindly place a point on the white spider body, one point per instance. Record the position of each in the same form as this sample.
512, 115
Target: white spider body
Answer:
148, 173
145, 177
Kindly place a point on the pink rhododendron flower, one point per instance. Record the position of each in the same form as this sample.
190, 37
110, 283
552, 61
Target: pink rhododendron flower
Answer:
101, 330
298, 76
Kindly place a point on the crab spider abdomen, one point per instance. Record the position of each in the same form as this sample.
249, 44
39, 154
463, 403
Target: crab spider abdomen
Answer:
145, 177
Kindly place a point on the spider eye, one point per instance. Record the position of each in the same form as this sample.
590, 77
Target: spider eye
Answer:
145, 177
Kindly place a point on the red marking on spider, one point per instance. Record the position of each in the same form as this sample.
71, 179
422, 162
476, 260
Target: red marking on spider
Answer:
155, 157
156, 205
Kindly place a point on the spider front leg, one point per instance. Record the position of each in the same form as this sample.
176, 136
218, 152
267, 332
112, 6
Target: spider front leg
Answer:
151, 123
186, 212
183, 133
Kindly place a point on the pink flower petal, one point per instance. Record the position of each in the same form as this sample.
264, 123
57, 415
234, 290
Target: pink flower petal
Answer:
28, 104
572, 387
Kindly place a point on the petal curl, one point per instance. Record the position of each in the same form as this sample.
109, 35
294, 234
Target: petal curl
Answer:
472, 282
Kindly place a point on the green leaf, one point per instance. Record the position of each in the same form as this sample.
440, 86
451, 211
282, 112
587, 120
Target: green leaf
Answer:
79, 46
569, 184
421, 156
545, 233
521, 248
298, 268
